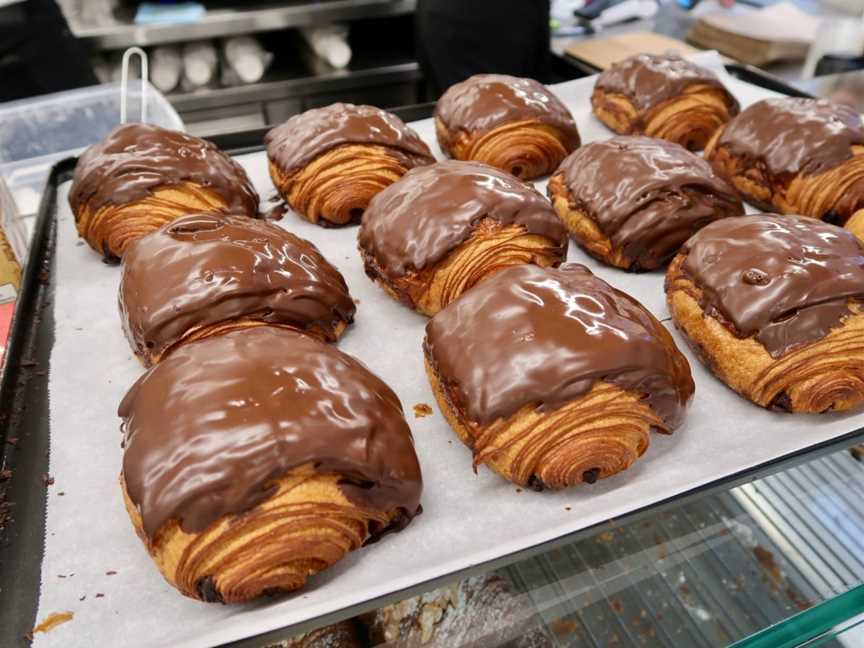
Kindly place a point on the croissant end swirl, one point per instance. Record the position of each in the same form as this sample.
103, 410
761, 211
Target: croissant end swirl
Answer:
827, 375
526, 149
112, 228
794, 156
552, 377
855, 224
513, 124
335, 188
590, 438
255, 459
142, 177
327, 163
689, 119
266, 549
446, 227
774, 307
663, 96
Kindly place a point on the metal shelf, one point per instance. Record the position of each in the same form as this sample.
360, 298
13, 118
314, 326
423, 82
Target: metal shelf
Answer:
225, 22
296, 87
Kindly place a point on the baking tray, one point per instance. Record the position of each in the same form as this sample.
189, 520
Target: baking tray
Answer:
23, 413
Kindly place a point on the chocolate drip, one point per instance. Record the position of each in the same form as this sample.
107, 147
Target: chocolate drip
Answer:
204, 269
484, 101
544, 336
136, 159
648, 80
785, 279
415, 222
208, 429
791, 135
298, 141
647, 196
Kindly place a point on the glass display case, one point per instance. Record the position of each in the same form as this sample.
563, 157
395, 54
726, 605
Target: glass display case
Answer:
774, 562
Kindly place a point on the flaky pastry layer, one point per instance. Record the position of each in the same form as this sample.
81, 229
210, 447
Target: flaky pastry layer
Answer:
590, 438
491, 248
689, 119
250, 321
826, 375
335, 188
110, 229
834, 195
526, 149
304, 527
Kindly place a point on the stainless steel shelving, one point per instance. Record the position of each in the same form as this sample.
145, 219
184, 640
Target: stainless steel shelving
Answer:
225, 22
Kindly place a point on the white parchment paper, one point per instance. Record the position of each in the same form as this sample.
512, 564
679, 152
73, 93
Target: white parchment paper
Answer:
467, 518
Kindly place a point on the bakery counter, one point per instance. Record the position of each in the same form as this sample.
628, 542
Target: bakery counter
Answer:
339, 437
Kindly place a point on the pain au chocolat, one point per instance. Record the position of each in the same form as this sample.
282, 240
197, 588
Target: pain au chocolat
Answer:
206, 274
773, 306
258, 458
446, 227
552, 377
632, 201
514, 124
328, 163
663, 96
141, 177
795, 156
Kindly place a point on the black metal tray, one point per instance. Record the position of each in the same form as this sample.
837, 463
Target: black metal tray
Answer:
24, 424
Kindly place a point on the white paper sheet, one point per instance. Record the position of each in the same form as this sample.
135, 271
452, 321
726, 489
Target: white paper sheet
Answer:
467, 518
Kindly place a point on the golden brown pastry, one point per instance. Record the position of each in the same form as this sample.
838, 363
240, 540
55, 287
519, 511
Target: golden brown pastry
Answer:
141, 177
632, 201
260, 457
444, 228
663, 96
552, 377
478, 611
516, 125
773, 306
207, 274
855, 224
795, 156
328, 163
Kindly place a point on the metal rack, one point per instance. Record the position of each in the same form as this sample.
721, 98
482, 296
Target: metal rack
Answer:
244, 19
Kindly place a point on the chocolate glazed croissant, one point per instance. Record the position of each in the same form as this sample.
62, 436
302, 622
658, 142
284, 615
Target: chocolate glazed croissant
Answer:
774, 306
258, 458
206, 274
141, 177
663, 96
513, 124
795, 156
446, 227
328, 163
638, 223
552, 377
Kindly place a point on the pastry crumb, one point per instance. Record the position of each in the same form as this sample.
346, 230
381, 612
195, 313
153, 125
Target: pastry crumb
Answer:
110, 572
567, 508
518, 490
99, 595
52, 621
356, 301
421, 410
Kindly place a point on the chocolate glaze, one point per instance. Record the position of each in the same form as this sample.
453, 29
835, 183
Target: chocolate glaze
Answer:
208, 429
646, 195
416, 221
295, 143
785, 279
648, 80
136, 159
204, 269
544, 335
790, 135
484, 101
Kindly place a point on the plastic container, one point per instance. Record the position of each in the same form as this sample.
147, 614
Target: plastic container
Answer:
36, 133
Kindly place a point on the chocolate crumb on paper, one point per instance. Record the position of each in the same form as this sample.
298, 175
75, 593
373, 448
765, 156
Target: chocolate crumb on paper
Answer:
421, 410
110, 572
100, 595
52, 621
